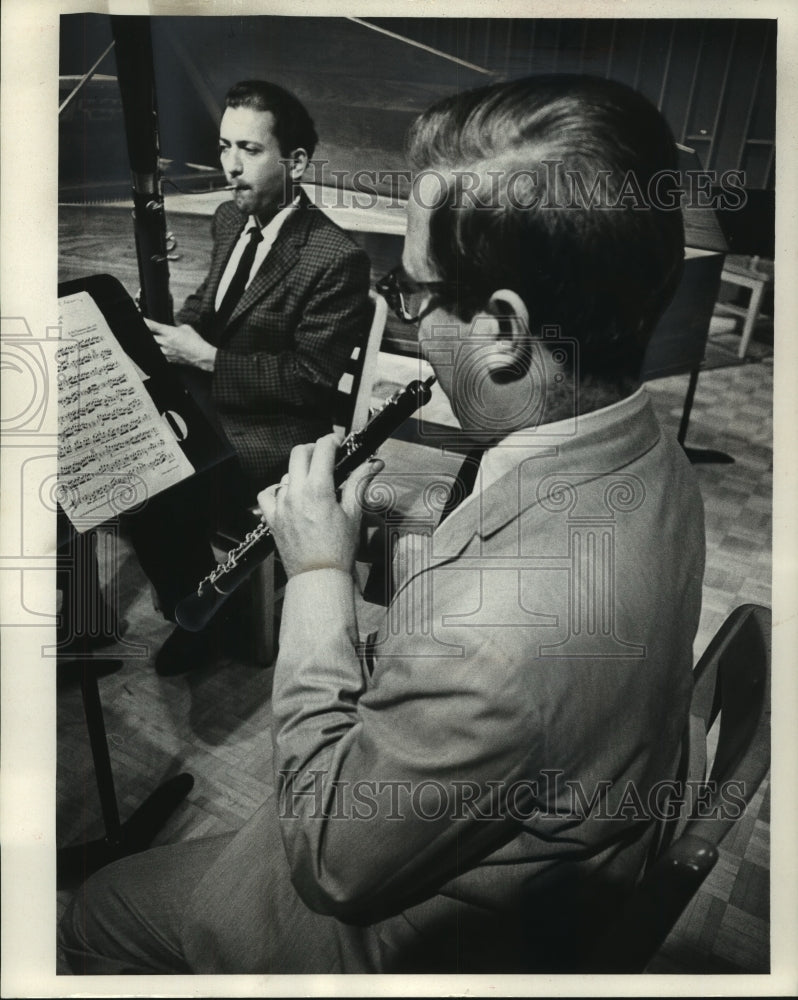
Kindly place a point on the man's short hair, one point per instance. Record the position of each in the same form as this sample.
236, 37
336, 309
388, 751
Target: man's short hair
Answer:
523, 164
293, 126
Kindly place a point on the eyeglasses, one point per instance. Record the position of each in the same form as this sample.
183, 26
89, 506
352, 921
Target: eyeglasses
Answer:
411, 300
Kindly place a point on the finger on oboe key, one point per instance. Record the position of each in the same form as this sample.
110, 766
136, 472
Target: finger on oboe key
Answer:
355, 487
197, 608
267, 502
320, 472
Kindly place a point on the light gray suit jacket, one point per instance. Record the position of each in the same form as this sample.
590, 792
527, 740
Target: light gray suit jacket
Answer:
489, 793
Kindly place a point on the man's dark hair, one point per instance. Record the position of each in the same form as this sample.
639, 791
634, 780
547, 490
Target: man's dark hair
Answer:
603, 272
293, 126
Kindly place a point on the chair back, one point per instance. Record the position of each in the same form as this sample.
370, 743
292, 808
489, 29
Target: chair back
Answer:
353, 400
731, 690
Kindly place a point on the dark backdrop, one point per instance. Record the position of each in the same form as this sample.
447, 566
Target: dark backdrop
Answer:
714, 79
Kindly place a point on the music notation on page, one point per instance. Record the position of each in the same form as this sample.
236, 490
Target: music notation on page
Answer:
114, 447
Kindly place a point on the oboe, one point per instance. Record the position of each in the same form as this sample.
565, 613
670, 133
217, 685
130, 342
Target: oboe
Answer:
196, 610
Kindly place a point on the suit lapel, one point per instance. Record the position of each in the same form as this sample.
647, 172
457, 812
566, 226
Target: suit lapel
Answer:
225, 240
280, 259
601, 451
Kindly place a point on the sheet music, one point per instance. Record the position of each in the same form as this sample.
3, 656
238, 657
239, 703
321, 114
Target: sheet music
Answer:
114, 448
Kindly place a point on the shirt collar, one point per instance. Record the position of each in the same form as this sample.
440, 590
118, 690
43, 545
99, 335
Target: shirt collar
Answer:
550, 438
273, 226
580, 450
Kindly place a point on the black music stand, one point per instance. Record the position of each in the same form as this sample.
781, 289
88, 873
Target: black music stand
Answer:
200, 438
93, 623
76, 862
203, 442
679, 341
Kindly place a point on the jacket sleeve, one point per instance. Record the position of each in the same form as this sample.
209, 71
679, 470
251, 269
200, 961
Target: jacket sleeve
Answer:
191, 311
333, 321
385, 785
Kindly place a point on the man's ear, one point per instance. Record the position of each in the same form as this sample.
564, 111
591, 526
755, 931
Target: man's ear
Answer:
509, 323
299, 161
511, 314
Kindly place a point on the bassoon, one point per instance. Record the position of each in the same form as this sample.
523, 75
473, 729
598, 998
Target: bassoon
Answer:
136, 77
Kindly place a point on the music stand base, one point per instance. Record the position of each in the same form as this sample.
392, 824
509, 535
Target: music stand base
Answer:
74, 864
705, 456
697, 456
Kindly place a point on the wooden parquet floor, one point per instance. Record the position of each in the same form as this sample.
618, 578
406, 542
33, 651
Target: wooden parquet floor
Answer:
214, 723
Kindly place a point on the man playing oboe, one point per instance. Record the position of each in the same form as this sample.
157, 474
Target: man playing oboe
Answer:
478, 793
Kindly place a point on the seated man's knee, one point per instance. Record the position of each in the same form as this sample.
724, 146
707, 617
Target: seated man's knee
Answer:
118, 924
91, 909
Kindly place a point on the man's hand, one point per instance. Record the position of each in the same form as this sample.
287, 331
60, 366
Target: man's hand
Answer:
311, 528
182, 345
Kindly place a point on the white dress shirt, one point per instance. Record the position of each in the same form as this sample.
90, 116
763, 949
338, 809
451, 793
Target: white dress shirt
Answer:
269, 234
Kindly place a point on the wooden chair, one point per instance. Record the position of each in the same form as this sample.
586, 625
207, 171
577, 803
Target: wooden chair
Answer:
355, 387
351, 413
750, 230
732, 685
754, 274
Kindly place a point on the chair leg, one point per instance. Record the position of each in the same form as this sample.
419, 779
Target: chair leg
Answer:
750, 317
688, 406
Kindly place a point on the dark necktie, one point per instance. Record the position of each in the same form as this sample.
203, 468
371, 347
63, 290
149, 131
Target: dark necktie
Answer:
464, 483
379, 586
239, 280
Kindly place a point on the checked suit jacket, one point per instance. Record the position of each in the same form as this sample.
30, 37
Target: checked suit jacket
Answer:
287, 342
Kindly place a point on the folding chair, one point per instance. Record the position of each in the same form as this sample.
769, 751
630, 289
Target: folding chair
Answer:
731, 688
351, 412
